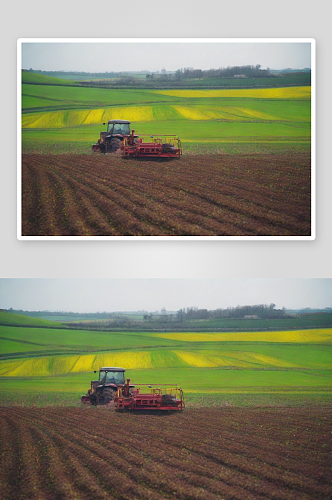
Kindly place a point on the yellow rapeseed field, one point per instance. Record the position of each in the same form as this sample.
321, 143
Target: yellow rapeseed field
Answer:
74, 118
196, 359
56, 365
275, 93
240, 359
233, 113
305, 336
143, 359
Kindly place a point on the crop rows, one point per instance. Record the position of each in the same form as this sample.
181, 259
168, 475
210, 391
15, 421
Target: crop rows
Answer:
83, 195
96, 453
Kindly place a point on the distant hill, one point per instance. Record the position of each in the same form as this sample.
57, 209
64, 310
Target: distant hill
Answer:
61, 315
12, 319
37, 79
141, 80
308, 310
290, 70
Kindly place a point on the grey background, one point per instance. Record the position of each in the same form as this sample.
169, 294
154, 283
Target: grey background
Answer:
134, 294
73, 19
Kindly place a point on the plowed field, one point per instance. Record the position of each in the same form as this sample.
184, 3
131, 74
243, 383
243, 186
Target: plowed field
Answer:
216, 195
95, 453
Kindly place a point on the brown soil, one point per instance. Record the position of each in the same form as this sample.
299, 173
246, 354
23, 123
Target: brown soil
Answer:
224, 195
96, 453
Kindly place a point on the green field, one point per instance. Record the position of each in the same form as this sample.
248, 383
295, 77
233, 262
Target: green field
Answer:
19, 320
54, 366
35, 78
289, 79
61, 118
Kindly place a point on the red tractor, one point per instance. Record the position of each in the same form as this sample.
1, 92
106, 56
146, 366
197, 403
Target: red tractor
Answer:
118, 137
111, 386
104, 390
112, 140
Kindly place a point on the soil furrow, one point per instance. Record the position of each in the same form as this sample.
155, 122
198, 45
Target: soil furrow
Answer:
200, 196
242, 454
229, 460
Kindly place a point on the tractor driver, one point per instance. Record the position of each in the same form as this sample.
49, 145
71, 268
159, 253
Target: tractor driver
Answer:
108, 378
121, 128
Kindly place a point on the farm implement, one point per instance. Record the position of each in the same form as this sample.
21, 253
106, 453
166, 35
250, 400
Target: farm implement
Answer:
118, 137
111, 387
167, 398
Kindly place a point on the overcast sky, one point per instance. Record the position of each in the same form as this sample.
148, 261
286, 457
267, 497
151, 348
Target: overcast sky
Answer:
98, 295
119, 56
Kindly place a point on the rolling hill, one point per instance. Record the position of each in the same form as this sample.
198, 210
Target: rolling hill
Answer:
49, 365
70, 118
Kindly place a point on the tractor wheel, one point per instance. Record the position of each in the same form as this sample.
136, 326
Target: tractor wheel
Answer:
93, 399
108, 396
115, 144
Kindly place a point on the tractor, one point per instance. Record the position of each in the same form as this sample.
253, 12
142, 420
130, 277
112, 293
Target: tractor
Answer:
111, 387
112, 140
104, 390
118, 137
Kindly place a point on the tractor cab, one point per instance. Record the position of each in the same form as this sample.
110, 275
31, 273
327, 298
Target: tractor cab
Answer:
118, 127
111, 376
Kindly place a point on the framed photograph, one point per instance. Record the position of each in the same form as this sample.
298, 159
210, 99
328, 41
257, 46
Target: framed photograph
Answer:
124, 389
166, 139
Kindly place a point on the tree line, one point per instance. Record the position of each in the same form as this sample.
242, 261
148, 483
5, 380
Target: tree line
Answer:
262, 311
229, 72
